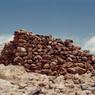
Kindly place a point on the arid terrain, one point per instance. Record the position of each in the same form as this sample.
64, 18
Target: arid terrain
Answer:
14, 80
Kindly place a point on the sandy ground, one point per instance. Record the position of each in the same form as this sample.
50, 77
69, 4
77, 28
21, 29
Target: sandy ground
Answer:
14, 80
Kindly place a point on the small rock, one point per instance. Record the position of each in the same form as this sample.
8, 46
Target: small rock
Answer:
46, 66
84, 86
22, 85
35, 91
80, 70
21, 49
71, 70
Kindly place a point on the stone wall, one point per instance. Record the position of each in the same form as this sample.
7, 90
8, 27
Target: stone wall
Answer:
47, 55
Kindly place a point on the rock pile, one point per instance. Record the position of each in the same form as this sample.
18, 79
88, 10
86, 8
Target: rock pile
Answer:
46, 55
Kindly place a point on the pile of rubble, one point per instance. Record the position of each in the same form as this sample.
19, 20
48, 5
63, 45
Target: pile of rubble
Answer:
46, 55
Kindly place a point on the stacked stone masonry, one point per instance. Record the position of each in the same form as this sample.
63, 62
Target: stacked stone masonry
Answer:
46, 55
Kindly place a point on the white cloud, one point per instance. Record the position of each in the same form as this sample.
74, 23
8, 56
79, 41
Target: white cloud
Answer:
90, 45
5, 39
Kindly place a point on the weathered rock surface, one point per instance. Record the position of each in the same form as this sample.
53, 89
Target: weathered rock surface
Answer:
12, 72
37, 84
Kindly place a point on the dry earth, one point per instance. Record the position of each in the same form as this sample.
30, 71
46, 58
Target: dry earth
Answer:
14, 80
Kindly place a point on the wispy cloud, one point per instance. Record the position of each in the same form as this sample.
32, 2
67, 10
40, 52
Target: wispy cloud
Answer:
5, 38
90, 45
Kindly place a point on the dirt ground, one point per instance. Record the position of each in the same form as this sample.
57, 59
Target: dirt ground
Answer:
14, 80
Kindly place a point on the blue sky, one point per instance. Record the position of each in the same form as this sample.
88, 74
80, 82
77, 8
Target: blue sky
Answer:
73, 19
